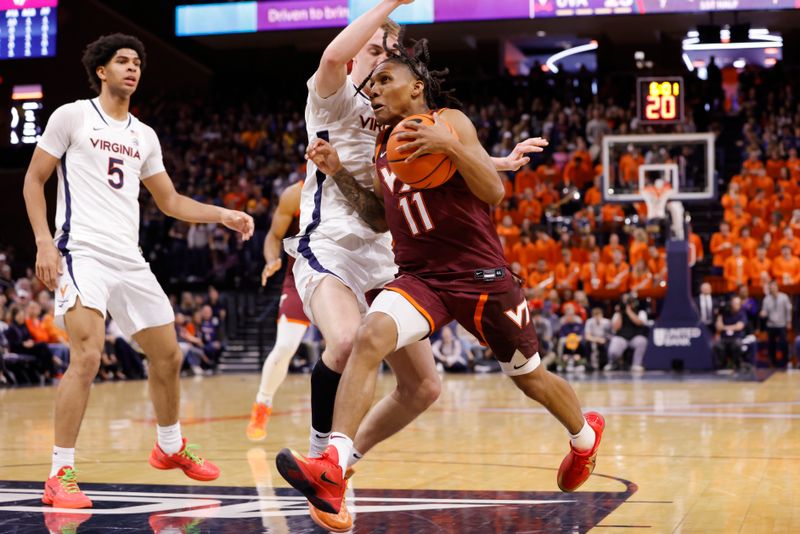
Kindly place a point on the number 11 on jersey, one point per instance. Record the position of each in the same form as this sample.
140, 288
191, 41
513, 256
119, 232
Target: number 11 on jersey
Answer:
416, 200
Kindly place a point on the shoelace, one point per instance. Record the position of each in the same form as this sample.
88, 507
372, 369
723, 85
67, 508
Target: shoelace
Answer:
187, 453
69, 481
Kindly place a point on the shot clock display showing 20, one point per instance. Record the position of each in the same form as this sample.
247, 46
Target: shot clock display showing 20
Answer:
660, 100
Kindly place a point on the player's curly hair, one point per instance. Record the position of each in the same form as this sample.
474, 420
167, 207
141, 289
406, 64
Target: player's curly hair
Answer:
100, 52
417, 60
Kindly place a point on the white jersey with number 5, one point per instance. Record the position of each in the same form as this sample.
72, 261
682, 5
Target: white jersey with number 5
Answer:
102, 163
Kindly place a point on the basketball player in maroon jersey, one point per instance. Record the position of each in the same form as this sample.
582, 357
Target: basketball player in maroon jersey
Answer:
451, 266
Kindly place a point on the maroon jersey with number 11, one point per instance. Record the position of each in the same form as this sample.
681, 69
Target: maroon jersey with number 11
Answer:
444, 235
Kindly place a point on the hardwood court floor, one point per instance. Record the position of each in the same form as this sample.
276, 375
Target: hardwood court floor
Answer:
680, 454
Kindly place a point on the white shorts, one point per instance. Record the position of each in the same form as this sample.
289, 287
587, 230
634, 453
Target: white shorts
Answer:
359, 264
128, 291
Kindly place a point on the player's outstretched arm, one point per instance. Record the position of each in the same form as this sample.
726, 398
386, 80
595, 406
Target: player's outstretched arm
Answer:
332, 70
288, 205
367, 203
48, 260
186, 209
519, 157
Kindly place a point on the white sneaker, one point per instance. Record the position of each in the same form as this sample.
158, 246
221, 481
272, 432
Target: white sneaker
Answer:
608, 367
637, 369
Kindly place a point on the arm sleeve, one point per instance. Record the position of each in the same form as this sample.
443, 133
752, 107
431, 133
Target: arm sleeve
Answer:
154, 163
333, 107
63, 123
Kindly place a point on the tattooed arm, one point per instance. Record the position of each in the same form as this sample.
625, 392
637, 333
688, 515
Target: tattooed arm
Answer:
368, 204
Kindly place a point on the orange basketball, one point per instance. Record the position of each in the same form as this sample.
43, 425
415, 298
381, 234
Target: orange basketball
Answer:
425, 172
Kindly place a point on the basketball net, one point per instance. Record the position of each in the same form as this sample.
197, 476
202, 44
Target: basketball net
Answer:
657, 200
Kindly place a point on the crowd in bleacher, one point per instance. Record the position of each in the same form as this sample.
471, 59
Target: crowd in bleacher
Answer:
570, 250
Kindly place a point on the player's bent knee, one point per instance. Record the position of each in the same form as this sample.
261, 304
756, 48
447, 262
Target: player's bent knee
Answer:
422, 395
85, 365
375, 339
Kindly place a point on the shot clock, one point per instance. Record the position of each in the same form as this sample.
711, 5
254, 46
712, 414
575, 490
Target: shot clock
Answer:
660, 100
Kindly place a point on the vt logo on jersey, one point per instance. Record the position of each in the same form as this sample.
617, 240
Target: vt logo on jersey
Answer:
117, 148
521, 315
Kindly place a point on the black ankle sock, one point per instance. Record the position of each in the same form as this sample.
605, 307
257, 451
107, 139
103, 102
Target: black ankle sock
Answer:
324, 382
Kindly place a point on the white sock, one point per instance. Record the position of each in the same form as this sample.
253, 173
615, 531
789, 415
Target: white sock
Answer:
62, 458
266, 400
355, 456
344, 446
169, 438
583, 440
318, 442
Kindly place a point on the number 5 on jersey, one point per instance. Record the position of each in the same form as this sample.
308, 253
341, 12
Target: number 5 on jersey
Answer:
115, 169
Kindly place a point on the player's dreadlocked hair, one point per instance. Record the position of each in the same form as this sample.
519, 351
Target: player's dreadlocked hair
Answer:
417, 60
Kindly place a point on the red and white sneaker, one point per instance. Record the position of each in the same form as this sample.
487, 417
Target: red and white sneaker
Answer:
64, 523
578, 465
257, 427
341, 522
62, 491
192, 465
319, 479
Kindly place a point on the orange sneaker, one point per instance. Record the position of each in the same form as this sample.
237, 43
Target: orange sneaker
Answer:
61, 523
319, 479
62, 491
341, 522
257, 428
577, 466
192, 465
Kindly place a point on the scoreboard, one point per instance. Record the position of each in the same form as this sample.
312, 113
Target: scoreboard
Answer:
660, 100
27, 28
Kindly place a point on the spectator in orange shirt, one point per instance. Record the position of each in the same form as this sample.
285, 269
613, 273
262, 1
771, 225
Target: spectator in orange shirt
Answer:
508, 187
501, 211
774, 164
657, 264
520, 272
40, 334
786, 268
524, 252
793, 164
508, 232
733, 196
641, 277
783, 203
753, 166
548, 172
721, 244
529, 208
787, 181
789, 240
759, 269
547, 248
611, 214
542, 277
638, 248
544, 194
593, 195
759, 206
578, 172
794, 222
629, 166
612, 246
747, 242
737, 219
593, 273
736, 272
568, 272
525, 178
617, 273
695, 245
758, 228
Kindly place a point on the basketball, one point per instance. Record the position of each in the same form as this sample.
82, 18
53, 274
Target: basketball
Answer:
425, 172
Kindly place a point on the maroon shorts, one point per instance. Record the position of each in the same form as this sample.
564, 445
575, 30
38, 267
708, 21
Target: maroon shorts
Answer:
500, 320
291, 306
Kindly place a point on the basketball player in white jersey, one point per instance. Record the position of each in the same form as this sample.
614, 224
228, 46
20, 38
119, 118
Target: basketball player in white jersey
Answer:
94, 264
339, 257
